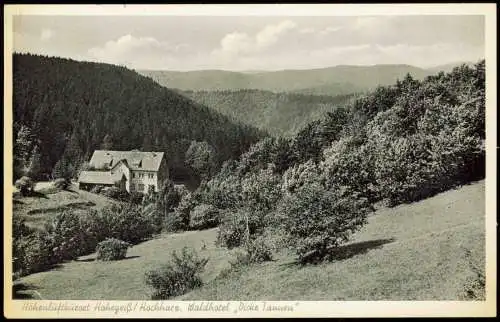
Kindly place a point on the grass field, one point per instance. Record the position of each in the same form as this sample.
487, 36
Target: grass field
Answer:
410, 252
47, 201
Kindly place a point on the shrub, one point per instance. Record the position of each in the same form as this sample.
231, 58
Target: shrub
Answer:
20, 233
25, 185
258, 194
260, 191
33, 253
258, 250
233, 228
242, 258
96, 189
315, 218
349, 165
61, 184
66, 236
112, 249
254, 251
115, 193
177, 277
204, 216
153, 216
127, 222
173, 222
222, 191
136, 197
95, 228
182, 211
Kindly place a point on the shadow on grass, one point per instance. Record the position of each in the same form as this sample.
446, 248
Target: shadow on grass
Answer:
37, 194
17, 202
351, 250
88, 260
23, 291
72, 191
340, 253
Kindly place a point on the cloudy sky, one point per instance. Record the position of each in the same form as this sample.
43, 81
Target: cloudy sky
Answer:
253, 42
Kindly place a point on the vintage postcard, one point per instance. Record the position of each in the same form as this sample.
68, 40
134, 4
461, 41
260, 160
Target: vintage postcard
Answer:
320, 160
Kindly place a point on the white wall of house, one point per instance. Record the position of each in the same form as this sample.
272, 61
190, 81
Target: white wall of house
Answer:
141, 180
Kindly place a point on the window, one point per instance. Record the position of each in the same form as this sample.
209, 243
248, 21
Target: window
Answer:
133, 175
151, 176
140, 187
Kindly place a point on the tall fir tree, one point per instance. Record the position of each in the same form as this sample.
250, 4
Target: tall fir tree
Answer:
22, 148
34, 163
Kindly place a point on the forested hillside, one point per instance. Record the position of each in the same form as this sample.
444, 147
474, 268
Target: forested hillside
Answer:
277, 113
397, 144
64, 110
338, 80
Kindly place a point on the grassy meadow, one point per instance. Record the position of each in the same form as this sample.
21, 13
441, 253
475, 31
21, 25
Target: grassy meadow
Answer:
47, 201
409, 252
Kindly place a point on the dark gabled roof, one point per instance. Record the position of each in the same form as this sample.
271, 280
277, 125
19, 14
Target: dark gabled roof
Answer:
135, 160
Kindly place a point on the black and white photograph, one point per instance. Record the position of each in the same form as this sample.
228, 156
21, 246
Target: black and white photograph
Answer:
233, 162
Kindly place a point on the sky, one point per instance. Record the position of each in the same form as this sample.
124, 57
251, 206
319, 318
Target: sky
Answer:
253, 42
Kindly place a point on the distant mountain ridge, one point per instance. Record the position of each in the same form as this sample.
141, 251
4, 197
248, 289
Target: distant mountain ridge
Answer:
337, 80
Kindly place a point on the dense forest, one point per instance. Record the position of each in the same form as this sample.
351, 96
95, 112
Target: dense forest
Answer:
281, 114
64, 110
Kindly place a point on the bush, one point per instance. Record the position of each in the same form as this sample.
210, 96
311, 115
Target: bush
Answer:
177, 277
95, 228
112, 249
66, 235
136, 197
254, 251
242, 258
315, 219
115, 193
61, 184
153, 216
33, 253
204, 216
126, 222
180, 217
258, 250
96, 189
69, 235
233, 228
173, 222
25, 185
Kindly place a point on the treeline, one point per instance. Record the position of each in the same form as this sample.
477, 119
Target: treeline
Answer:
310, 192
278, 113
64, 110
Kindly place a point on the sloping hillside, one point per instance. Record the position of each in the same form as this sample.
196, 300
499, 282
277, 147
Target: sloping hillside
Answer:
410, 252
276, 113
67, 108
47, 201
